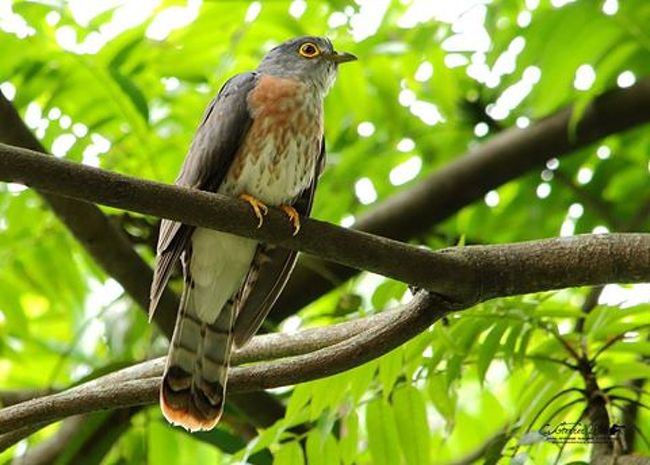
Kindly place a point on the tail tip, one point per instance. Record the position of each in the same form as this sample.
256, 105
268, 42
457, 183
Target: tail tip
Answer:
184, 418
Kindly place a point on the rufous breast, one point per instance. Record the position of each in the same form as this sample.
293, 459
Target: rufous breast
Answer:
277, 159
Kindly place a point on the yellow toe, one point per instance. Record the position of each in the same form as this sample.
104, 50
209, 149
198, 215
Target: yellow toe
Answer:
258, 207
294, 217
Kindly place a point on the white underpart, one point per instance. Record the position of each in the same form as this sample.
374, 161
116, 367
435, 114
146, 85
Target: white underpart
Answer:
219, 264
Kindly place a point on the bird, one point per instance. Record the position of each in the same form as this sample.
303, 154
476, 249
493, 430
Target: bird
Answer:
259, 140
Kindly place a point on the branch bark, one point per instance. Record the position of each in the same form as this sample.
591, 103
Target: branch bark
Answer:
465, 274
504, 157
216, 211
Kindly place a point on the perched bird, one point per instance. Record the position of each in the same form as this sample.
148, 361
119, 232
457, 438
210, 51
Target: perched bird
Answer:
261, 140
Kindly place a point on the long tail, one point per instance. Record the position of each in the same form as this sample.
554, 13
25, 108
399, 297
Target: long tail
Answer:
194, 384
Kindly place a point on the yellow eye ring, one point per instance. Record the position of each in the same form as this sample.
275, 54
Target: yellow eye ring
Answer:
309, 50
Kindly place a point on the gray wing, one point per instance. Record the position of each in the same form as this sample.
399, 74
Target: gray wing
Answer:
270, 272
220, 134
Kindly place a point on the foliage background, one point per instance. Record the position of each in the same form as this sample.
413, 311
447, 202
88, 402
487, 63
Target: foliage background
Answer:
121, 85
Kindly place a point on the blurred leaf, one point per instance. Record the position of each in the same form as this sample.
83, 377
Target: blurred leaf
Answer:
412, 425
349, 439
444, 399
289, 453
322, 450
383, 440
131, 90
390, 368
489, 348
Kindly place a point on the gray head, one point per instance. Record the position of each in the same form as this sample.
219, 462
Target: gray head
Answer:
312, 60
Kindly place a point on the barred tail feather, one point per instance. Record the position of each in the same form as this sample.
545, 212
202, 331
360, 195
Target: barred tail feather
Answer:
194, 384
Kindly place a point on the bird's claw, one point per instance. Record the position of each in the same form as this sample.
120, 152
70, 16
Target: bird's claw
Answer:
258, 208
294, 217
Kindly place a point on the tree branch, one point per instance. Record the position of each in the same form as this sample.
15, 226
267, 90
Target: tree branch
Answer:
219, 212
616, 111
16, 396
138, 385
17, 434
466, 274
503, 158
265, 347
468, 178
46, 452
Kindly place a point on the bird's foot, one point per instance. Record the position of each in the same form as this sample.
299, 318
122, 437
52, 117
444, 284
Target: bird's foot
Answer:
258, 207
294, 217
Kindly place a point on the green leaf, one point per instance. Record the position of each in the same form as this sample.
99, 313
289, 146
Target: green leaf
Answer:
522, 349
124, 52
510, 344
622, 370
495, 449
136, 96
390, 368
163, 442
383, 440
361, 378
289, 453
389, 289
489, 348
349, 438
328, 393
322, 450
314, 448
300, 397
412, 425
444, 398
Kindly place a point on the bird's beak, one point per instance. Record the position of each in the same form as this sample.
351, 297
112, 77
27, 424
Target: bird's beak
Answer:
341, 57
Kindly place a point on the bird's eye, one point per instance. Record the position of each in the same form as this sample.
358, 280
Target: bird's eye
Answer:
309, 50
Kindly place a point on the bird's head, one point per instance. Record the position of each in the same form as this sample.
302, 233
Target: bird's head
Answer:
309, 59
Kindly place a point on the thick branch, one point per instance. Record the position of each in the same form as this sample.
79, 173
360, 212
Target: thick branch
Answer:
352, 248
466, 274
547, 264
468, 178
511, 153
